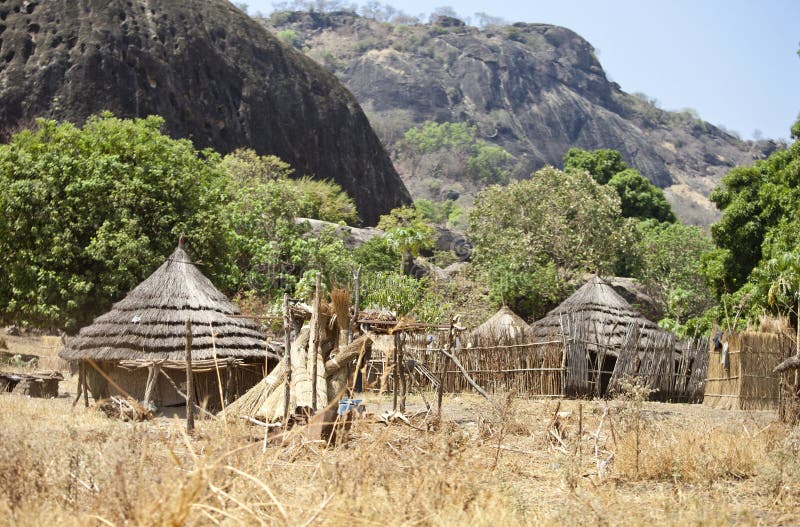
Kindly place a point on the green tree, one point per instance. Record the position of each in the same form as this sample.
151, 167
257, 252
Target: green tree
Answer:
602, 164
86, 213
531, 237
455, 145
639, 198
442, 213
407, 233
760, 216
669, 266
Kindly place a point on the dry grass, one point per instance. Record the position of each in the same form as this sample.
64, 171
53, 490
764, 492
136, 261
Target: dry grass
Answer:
489, 463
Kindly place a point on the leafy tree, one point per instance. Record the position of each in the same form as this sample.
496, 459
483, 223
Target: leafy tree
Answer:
273, 249
442, 213
760, 216
374, 255
669, 258
602, 164
531, 237
640, 198
87, 213
490, 163
455, 145
407, 233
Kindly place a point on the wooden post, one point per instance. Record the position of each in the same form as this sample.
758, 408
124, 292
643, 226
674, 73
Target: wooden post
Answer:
79, 391
189, 380
353, 327
315, 336
85, 384
402, 370
396, 384
228, 380
443, 369
152, 376
287, 359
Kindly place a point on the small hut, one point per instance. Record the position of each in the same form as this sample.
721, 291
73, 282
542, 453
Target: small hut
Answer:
503, 325
740, 370
604, 340
139, 346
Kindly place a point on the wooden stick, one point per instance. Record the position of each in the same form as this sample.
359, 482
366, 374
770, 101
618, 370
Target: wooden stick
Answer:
396, 374
316, 316
189, 380
79, 391
85, 386
466, 375
287, 347
352, 327
443, 369
152, 375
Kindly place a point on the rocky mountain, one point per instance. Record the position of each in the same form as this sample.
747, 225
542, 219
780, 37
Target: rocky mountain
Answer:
534, 89
215, 75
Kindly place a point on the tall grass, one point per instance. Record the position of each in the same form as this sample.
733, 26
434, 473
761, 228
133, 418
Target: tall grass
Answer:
487, 463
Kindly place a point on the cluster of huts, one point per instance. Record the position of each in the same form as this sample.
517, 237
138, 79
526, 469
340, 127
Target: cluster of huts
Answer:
585, 347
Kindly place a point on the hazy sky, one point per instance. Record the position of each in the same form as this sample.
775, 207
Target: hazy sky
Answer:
733, 61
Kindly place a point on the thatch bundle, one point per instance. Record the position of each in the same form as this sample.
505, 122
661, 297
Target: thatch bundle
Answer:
149, 323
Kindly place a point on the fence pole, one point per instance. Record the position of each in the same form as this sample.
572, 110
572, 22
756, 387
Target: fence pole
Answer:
189, 380
287, 359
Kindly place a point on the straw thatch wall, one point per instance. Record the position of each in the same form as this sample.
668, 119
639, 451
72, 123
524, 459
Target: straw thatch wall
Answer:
744, 381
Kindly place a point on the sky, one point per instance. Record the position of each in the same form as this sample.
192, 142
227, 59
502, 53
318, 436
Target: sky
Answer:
735, 62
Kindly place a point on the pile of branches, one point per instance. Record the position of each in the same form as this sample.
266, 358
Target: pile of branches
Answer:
126, 409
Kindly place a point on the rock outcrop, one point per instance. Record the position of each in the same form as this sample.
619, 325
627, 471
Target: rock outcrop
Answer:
534, 89
214, 74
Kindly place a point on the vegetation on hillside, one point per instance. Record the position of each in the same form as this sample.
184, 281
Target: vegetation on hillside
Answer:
88, 212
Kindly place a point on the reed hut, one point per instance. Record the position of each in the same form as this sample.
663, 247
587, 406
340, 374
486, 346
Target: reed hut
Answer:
138, 347
740, 370
605, 340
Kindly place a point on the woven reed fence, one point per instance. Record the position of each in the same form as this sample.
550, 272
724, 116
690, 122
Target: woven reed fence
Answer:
744, 381
552, 367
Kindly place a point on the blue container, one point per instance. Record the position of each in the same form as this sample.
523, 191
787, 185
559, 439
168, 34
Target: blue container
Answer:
346, 405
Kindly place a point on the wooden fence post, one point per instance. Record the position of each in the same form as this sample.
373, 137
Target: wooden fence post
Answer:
287, 359
189, 380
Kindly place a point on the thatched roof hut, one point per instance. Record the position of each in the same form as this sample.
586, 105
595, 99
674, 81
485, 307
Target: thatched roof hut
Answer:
504, 323
598, 307
150, 322
606, 340
138, 347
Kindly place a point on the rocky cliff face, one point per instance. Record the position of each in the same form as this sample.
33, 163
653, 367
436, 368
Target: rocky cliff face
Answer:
214, 74
537, 90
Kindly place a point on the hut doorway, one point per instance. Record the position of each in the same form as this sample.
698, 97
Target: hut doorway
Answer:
607, 366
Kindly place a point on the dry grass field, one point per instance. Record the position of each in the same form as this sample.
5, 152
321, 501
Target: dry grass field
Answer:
507, 461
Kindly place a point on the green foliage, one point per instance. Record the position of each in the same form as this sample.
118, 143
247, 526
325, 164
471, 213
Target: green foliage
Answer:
490, 163
532, 236
407, 233
392, 291
288, 36
88, 212
602, 164
456, 144
434, 137
273, 250
640, 198
442, 213
669, 266
374, 255
760, 218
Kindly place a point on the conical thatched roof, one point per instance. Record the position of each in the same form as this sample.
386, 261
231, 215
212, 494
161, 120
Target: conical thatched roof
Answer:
504, 323
150, 323
602, 314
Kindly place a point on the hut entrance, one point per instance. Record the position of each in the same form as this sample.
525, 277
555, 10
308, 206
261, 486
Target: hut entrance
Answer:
607, 366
